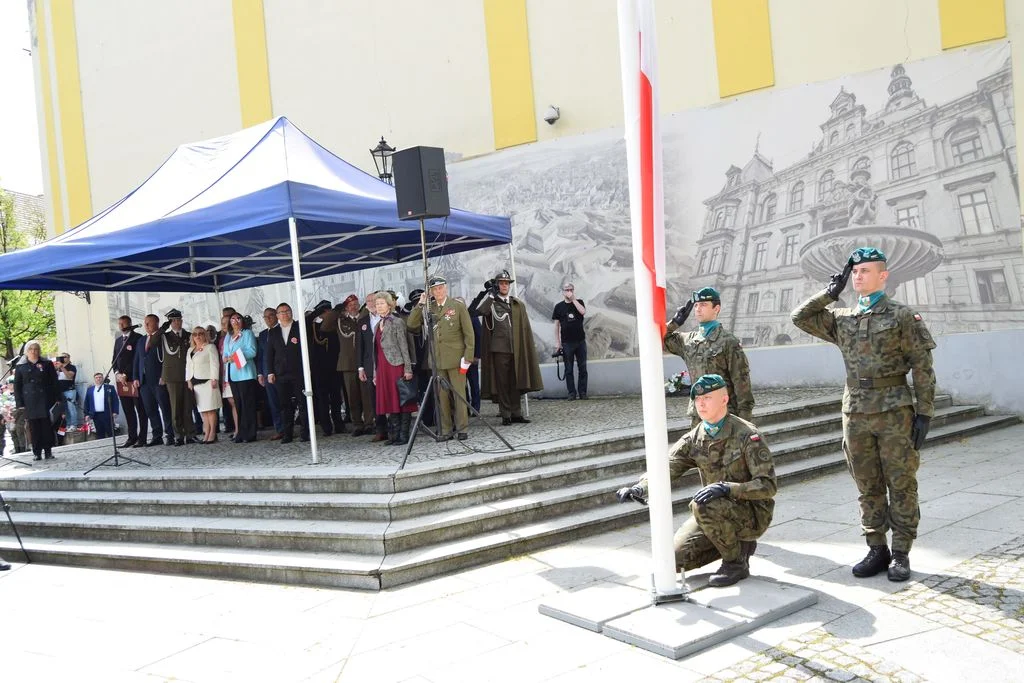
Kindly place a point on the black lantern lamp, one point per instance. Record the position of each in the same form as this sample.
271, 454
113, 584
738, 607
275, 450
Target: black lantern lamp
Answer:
382, 160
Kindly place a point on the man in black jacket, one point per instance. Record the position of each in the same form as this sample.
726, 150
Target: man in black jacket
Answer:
123, 360
284, 365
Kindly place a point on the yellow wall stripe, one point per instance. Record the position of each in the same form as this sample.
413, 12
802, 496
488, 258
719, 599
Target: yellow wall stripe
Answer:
508, 55
743, 45
251, 57
72, 120
965, 22
50, 130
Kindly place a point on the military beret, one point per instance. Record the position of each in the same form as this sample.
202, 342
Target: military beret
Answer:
173, 313
706, 384
503, 276
349, 299
866, 255
437, 280
708, 294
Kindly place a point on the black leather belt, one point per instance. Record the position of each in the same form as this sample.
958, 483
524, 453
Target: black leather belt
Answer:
876, 382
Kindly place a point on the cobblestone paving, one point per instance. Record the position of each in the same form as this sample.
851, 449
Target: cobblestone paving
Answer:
982, 597
815, 656
551, 420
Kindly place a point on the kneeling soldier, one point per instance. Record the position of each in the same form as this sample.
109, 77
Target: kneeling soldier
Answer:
732, 513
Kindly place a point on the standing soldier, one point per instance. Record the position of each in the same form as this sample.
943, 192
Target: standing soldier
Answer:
881, 340
710, 349
453, 342
175, 351
730, 514
510, 366
323, 363
348, 365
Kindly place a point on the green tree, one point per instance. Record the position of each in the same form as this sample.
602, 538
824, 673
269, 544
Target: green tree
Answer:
24, 314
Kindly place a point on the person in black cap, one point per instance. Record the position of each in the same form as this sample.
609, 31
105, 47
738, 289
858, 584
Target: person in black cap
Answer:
347, 326
710, 349
453, 342
735, 506
321, 330
881, 341
175, 356
511, 368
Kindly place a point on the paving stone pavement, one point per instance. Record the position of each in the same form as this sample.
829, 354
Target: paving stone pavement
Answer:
552, 419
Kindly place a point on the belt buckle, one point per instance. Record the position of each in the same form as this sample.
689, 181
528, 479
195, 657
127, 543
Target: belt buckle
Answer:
865, 383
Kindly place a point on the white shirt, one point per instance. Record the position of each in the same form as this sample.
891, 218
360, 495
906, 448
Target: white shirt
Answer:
99, 403
374, 319
285, 332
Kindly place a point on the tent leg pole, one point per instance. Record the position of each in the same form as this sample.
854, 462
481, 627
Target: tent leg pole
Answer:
307, 378
515, 283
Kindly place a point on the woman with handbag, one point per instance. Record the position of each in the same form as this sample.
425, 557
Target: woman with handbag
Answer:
202, 368
393, 366
36, 390
240, 360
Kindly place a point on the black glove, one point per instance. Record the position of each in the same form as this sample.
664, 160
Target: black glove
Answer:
838, 282
634, 492
491, 286
682, 313
166, 324
919, 430
710, 492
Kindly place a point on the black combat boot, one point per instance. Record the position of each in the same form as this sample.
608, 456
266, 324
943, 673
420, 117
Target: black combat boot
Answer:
747, 549
899, 570
729, 573
877, 560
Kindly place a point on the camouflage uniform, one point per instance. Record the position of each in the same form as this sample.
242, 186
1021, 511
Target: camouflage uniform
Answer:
738, 456
720, 354
879, 347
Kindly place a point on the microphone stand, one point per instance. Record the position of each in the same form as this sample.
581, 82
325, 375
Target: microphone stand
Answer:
7, 510
116, 460
11, 461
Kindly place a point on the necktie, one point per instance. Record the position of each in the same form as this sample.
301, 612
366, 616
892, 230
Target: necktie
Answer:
147, 342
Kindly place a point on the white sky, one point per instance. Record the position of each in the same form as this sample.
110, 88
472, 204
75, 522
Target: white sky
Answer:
20, 168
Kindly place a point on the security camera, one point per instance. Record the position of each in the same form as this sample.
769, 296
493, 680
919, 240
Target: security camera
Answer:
552, 114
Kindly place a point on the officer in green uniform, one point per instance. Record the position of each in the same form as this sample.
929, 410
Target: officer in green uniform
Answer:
174, 352
453, 342
881, 340
730, 514
711, 350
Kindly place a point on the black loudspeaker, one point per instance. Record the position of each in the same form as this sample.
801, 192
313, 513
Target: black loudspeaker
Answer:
421, 183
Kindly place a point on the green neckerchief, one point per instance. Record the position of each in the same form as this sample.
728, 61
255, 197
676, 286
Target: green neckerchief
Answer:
708, 327
712, 429
866, 303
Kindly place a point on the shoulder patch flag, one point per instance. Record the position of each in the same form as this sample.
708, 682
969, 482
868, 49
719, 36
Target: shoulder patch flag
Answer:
755, 437
917, 317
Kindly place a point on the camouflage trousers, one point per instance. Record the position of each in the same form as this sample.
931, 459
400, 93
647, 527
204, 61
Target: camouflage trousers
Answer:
715, 530
883, 461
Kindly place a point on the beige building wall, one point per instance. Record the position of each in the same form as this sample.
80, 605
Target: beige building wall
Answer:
123, 82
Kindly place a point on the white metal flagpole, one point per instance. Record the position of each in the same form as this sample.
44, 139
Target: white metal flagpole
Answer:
512, 259
307, 391
643, 154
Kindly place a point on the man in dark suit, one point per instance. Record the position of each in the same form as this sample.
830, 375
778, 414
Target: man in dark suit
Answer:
262, 369
322, 338
123, 360
365, 358
284, 363
102, 406
150, 383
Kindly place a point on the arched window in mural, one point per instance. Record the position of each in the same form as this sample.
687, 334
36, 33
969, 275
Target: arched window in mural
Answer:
904, 163
965, 144
850, 131
768, 207
833, 139
796, 196
825, 183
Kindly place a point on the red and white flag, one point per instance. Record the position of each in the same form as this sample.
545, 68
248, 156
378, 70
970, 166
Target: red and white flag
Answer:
238, 358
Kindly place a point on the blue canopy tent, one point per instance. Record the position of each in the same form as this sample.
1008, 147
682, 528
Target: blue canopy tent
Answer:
244, 210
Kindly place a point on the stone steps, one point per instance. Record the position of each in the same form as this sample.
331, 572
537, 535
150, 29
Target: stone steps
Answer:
405, 526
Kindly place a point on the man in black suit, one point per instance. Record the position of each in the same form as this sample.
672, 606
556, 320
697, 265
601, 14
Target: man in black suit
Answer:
365, 353
284, 363
123, 360
149, 381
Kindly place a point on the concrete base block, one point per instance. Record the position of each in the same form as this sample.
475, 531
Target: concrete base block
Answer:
676, 630
591, 608
756, 599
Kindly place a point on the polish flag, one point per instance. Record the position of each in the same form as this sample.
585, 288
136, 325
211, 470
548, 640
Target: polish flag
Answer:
637, 53
238, 358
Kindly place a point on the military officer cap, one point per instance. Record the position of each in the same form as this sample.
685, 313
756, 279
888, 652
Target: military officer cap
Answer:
437, 280
173, 313
706, 384
708, 294
414, 295
866, 255
503, 276
324, 305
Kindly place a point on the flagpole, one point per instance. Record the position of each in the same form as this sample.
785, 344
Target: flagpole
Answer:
307, 390
636, 34
515, 293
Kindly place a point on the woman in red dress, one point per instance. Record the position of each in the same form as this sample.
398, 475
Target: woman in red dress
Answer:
393, 361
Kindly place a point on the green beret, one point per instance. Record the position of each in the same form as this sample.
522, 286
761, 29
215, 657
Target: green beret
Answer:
706, 384
866, 255
708, 294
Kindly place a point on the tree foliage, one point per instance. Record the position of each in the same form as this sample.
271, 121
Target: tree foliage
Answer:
24, 314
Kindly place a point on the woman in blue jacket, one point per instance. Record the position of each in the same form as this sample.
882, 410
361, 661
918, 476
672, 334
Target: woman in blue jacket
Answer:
240, 371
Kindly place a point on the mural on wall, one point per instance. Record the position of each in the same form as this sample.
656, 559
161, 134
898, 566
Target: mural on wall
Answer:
765, 197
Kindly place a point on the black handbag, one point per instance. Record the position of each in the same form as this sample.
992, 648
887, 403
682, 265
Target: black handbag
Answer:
406, 391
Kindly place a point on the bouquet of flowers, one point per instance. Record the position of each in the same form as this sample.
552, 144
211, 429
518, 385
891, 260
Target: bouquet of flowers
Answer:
7, 404
678, 384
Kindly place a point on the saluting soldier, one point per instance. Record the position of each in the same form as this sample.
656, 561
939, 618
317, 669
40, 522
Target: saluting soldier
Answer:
881, 340
347, 324
730, 514
175, 354
711, 349
451, 332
